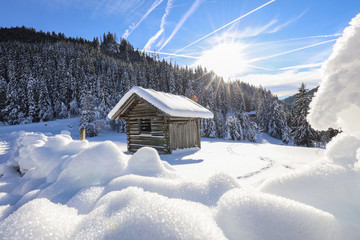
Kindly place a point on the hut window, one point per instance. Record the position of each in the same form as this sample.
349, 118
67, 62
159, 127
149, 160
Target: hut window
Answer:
145, 125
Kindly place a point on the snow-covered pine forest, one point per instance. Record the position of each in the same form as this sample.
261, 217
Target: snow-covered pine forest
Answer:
47, 76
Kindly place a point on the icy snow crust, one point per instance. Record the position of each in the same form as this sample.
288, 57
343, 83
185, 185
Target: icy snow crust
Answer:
174, 105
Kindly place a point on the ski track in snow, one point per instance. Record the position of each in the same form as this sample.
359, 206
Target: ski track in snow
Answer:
270, 164
231, 150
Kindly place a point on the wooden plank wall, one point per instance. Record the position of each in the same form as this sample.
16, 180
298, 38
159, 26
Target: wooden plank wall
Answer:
157, 138
183, 133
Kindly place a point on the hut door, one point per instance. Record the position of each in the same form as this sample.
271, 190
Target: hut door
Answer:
183, 135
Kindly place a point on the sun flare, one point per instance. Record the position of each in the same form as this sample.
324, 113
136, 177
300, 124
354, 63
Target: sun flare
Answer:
225, 59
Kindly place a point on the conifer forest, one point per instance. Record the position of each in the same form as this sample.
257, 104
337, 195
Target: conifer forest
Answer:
48, 76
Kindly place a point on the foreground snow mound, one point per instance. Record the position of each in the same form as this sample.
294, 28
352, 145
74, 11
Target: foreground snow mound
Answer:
326, 186
39, 155
343, 150
206, 192
128, 214
95, 165
254, 215
135, 214
146, 162
60, 166
40, 219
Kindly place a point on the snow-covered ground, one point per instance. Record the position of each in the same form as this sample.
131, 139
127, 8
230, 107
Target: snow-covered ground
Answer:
250, 163
94, 189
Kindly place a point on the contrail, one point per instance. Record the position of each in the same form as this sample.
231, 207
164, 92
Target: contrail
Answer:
151, 41
172, 54
132, 28
278, 28
181, 22
300, 38
241, 17
311, 65
261, 68
290, 51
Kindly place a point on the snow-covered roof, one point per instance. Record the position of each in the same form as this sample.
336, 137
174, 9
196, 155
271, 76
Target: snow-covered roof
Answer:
173, 105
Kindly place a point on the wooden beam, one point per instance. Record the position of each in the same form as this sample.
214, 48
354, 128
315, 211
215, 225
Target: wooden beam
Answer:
198, 133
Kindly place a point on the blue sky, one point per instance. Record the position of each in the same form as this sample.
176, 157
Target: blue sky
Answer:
277, 44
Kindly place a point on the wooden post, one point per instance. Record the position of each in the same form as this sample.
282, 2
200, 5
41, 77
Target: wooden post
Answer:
82, 134
198, 133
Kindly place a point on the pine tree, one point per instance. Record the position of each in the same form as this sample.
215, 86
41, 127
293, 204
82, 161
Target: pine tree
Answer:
209, 128
88, 114
277, 126
271, 117
32, 100
63, 111
248, 127
45, 110
3, 87
12, 111
74, 108
262, 113
237, 131
302, 132
171, 81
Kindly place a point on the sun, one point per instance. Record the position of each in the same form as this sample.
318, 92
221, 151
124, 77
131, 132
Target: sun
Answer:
226, 59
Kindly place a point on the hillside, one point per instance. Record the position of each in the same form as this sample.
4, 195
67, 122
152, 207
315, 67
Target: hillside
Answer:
47, 76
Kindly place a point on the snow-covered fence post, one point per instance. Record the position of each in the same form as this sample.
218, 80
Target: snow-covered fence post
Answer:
82, 133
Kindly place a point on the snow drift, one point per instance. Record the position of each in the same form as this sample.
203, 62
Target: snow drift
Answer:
254, 215
94, 191
77, 190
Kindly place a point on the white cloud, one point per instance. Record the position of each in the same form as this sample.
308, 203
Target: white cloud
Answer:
285, 82
285, 93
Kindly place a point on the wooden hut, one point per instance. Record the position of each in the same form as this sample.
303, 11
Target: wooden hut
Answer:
160, 120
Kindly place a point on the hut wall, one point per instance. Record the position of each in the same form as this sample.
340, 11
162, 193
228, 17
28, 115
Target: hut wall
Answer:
138, 134
183, 133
